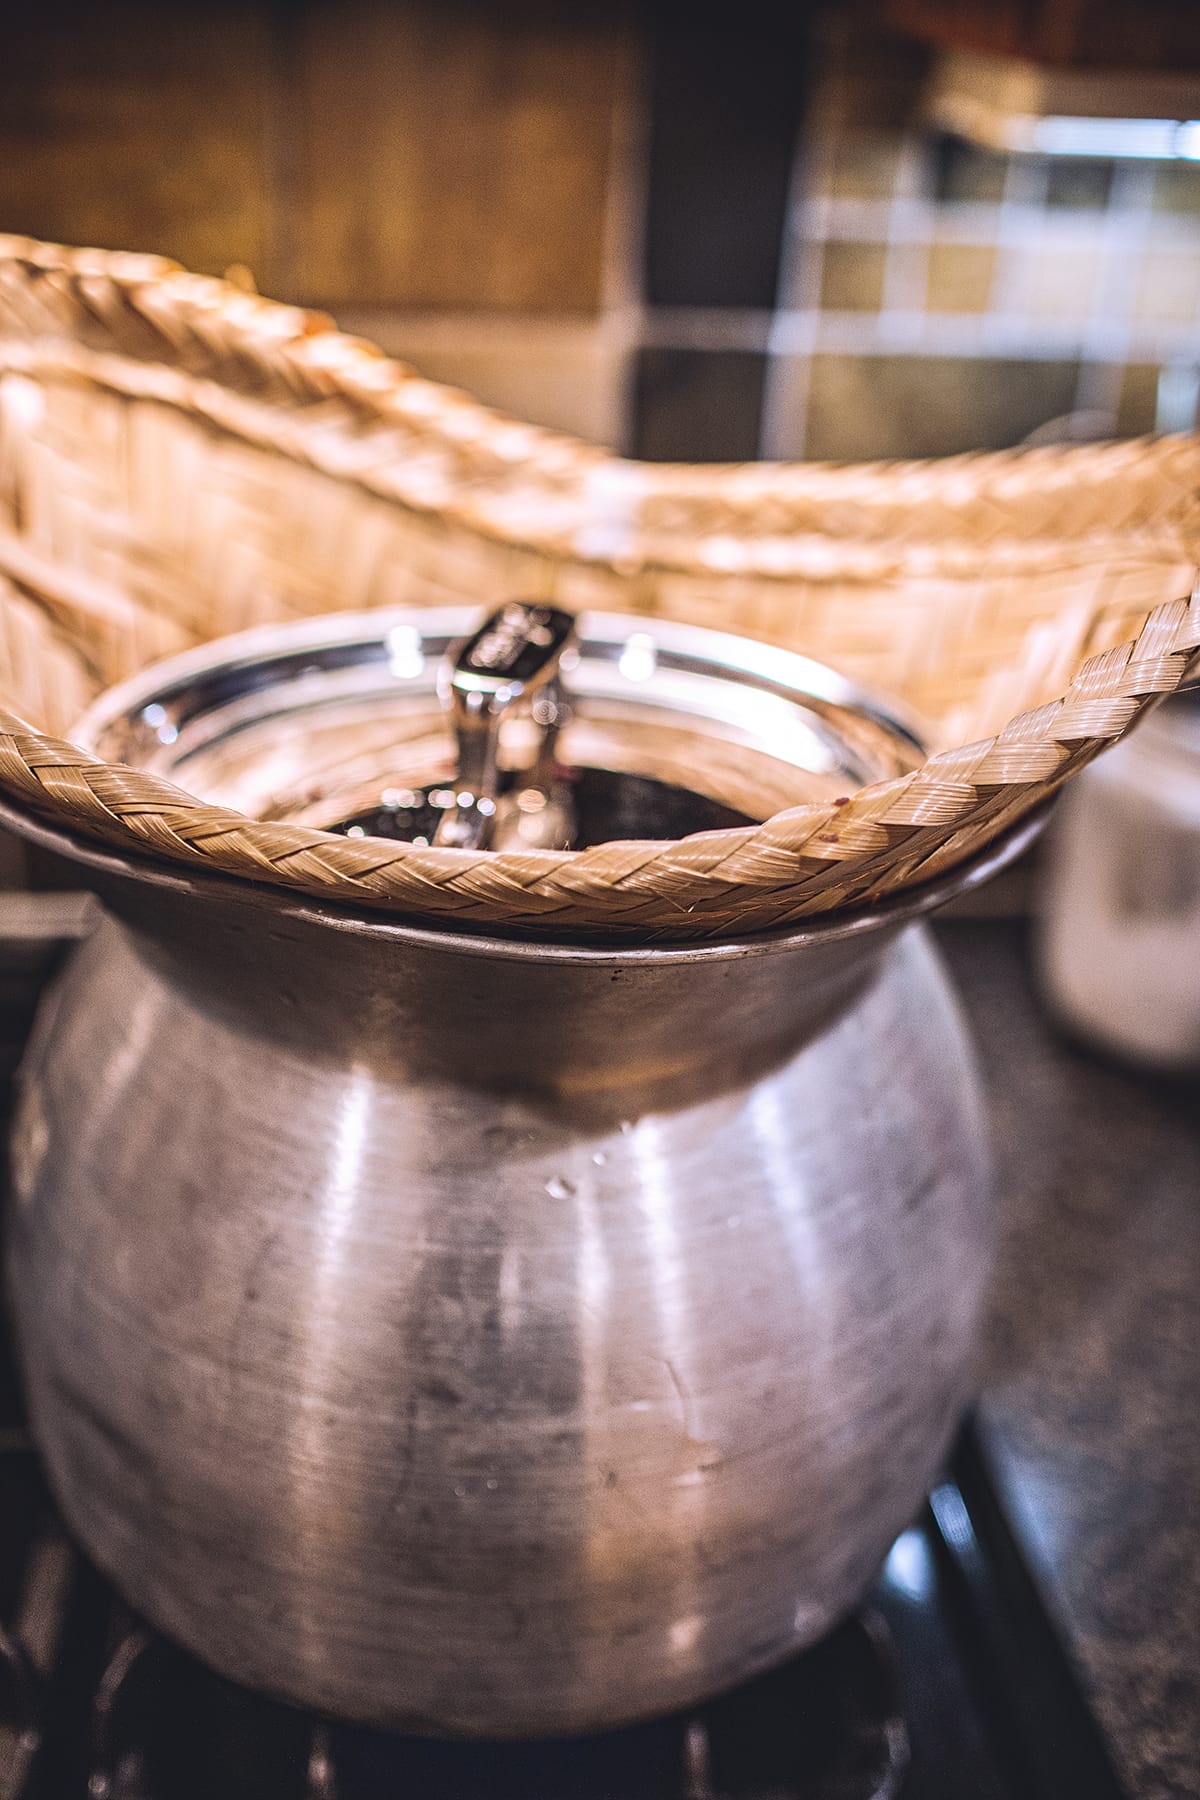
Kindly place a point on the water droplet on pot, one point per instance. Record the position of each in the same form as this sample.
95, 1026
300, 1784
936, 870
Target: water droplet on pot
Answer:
599, 1157
460, 1489
559, 1188
491, 1486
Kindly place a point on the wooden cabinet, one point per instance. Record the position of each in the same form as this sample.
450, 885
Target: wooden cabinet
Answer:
1098, 34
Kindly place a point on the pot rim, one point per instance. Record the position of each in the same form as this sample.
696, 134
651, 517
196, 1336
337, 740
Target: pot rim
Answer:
853, 922
721, 656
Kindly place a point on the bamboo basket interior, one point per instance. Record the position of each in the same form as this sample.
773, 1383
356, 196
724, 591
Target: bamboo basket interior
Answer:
180, 459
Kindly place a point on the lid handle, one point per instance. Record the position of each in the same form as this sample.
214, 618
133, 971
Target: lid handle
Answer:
512, 657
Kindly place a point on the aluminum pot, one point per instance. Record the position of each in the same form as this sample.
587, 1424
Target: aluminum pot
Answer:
484, 1336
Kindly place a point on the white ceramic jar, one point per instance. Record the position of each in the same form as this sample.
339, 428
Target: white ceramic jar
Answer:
1119, 939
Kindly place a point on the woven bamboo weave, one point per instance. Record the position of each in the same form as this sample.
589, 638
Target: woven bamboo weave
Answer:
180, 459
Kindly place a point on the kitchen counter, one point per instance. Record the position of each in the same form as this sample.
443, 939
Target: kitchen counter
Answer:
1092, 1370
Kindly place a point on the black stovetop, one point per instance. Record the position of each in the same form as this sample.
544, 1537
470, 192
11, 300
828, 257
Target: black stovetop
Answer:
949, 1684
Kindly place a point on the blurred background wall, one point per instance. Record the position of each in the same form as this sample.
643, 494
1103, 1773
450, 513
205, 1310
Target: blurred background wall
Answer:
685, 232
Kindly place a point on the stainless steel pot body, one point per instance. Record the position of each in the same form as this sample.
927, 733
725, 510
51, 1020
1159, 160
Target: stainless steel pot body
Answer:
483, 1337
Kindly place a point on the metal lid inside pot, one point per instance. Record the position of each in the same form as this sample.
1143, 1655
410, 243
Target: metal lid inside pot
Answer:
511, 665
533, 730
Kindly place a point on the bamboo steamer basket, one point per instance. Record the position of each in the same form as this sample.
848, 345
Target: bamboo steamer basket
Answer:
180, 459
